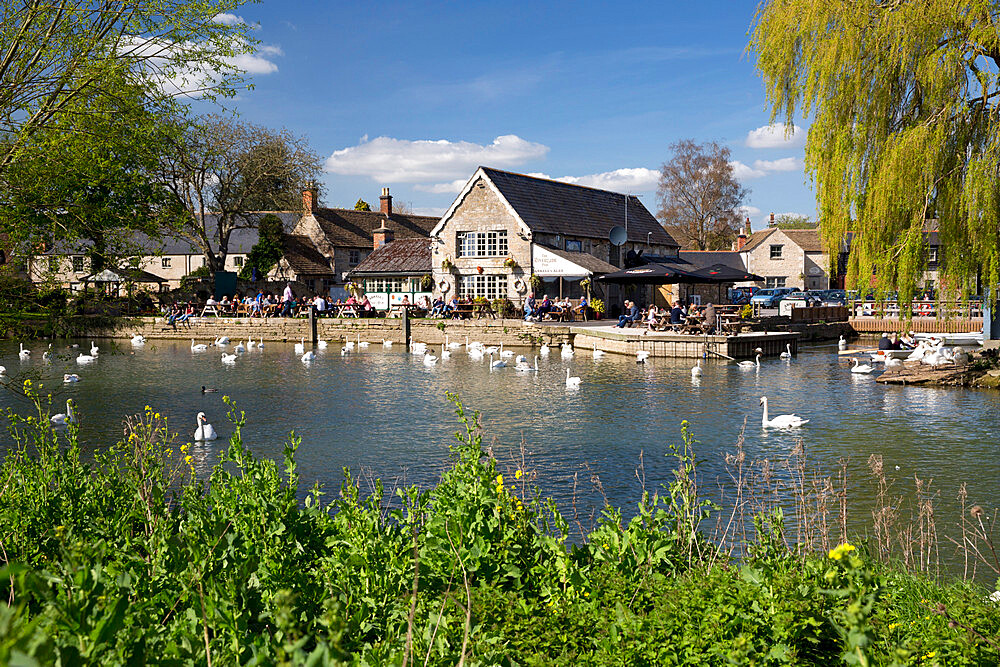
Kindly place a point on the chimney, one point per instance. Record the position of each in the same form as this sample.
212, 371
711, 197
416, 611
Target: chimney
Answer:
741, 239
771, 221
385, 202
310, 198
383, 234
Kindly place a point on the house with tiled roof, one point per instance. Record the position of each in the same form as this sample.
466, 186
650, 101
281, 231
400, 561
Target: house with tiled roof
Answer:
394, 270
787, 257
505, 227
327, 243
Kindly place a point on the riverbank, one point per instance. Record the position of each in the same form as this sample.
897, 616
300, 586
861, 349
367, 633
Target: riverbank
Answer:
136, 558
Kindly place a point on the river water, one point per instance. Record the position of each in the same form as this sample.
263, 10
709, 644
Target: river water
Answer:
383, 410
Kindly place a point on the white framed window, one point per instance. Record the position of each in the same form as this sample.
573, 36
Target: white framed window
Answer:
774, 281
932, 255
482, 244
776, 252
78, 264
237, 261
488, 286
574, 246
164, 262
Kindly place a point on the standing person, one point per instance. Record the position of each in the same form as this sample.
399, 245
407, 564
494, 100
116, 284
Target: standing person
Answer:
287, 298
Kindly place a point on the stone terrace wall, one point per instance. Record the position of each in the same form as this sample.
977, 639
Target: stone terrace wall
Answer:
277, 329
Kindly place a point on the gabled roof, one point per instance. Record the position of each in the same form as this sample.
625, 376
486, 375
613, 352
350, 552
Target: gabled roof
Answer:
347, 228
554, 207
807, 239
405, 256
757, 238
303, 257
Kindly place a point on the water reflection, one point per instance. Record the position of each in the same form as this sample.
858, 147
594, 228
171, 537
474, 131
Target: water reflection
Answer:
384, 409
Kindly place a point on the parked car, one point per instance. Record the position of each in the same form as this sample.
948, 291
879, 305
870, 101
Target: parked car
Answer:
770, 296
798, 299
834, 297
741, 295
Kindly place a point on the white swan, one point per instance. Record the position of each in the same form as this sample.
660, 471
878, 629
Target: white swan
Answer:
94, 350
47, 354
960, 356
229, 358
250, 343
892, 362
544, 350
430, 359
747, 365
696, 371
321, 344
597, 353
492, 349
300, 347
415, 348
308, 356
499, 363
222, 340
85, 358
138, 340
24, 354
69, 378
362, 343
781, 421
344, 351
571, 382
641, 356
842, 344
204, 431
524, 367
240, 348
861, 368
64, 419
505, 354
445, 352
3, 369
567, 351
386, 343
200, 347
450, 345
476, 353
787, 354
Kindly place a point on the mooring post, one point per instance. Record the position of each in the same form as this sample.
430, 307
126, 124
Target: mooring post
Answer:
312, 324
406, 326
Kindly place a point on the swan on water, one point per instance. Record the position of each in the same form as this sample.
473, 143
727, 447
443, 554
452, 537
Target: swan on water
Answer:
491, 350
204, 431
250, 343
450, 345
69, 378
222, 340
505, 354
240, 348
64, 419
430, 359
892, 362
415, 348
476, 353
321, 344
499, 363
567, 351
544, 350
597, 354
362, 343
200, 347
138, 340
229, 358
386, 343
94, 350
571, 382
3, 369
308, 356
85, 358
787, 354
641, 356
445, 352
842, 344
696, 371
524, 367
300, 347
24, 354
747, 365
344, 351
861, 368
781, 421
47, 354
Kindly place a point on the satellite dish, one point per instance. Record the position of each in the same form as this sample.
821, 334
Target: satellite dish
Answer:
618, 235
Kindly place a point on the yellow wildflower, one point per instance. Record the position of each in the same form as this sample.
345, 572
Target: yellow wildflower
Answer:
499, 480
517, 474
931, 654
840, 551
893, 626
188, 459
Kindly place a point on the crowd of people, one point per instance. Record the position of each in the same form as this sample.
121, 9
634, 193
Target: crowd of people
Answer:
659, 319
549, 309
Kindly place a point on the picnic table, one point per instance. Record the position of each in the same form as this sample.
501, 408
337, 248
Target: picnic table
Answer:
345, 309
412, 310
211, 309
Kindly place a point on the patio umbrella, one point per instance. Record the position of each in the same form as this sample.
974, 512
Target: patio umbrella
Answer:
723, 273
651, 274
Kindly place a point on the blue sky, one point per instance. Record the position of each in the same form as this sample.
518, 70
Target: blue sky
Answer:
414, 96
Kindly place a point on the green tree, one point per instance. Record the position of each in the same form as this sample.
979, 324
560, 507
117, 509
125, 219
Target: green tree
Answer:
699, 196
55, 52
268, 249
224, 172
362, 205
792, 221
904, 99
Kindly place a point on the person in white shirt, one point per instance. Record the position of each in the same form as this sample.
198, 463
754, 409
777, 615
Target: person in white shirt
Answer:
286, 301
319, 303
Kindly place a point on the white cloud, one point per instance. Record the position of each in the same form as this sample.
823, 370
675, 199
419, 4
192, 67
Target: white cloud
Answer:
784, 164
634, 179
774, 136
431, 211
748, 211
454, 187
744, 172
385, 159
228, 19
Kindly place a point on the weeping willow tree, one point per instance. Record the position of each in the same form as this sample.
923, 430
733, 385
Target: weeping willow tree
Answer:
904, 99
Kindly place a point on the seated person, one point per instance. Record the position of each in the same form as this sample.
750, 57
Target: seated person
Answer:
211, 301
631, 314
366, 305
884, 343
545, 307
319, 303
677, 314
708, 318
452, 306
652, 317
437, 308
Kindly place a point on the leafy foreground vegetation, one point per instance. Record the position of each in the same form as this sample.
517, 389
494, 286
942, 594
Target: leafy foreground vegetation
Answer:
132, 559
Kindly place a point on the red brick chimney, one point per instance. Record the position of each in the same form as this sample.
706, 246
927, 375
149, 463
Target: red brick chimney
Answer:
382, 235
741, 239
385, 202
310, 198
771, 221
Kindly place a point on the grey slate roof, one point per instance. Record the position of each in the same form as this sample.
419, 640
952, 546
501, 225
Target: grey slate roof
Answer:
554, 207
347, 228
403, 257
303, 257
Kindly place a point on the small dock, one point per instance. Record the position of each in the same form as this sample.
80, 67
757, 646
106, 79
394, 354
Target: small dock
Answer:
611, 339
